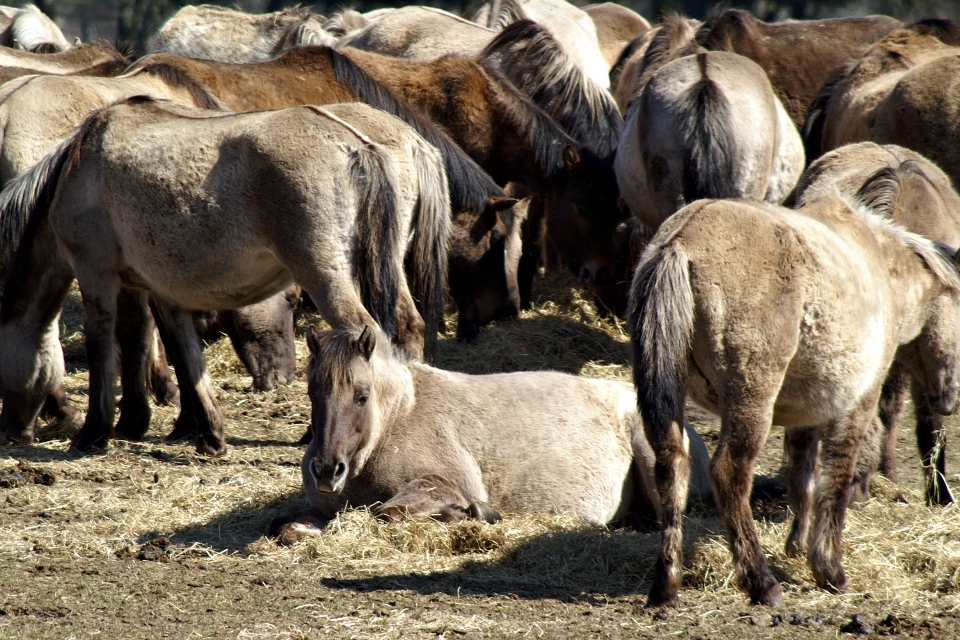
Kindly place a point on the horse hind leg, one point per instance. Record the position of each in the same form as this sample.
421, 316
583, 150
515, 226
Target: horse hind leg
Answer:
133, 335
200, 414
159, 379
744, 429
801, 447
932, 442
839, 447
893, 399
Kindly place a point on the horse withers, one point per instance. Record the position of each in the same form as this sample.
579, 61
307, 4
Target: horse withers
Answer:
766, 315
205, 190
412, 440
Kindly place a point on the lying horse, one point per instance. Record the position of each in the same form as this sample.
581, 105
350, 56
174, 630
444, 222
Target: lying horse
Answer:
414, 440
916, 194
207, 211
765, 315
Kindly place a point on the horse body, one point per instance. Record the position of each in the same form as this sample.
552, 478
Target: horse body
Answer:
616, 26
916, 194
734, 140
797, 55
30, 29
429, 442
72, 60
228, 35
170, 187
701, 323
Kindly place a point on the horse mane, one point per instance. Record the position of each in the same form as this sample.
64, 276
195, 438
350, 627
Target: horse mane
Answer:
470, 186
345, 22
176, 76
536, 64
675, 32
300, 33
881, 190
622, 59
336, 350
943, 29
501, 13
938, 257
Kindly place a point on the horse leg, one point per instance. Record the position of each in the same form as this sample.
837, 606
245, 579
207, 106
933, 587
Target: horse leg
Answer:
412, 335
298, 526
133, 327
893, 399
57, 406
744, 429
802, 447
199, 411
672, 474
159, 381
100, 308
868, 459
434, 496
31, 359
932, 442
839, 448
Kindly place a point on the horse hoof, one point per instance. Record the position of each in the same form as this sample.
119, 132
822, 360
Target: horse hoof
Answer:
131, 429
772, 596
794, 549
940, 496
660, 600
215, 448
836, 583
181, 431
167, 397
86, 443
483, 511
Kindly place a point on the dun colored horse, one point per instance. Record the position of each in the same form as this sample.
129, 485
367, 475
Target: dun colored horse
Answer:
765, 315
30, 29
916, 194
413, 440
209, 211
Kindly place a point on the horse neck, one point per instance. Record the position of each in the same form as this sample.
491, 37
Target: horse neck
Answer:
394, 387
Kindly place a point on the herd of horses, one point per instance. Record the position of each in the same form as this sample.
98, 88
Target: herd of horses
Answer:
770, 205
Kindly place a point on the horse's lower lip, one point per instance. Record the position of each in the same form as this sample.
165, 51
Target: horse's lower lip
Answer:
326, 487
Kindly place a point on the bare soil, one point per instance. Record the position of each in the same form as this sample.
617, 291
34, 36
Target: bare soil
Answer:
149, 540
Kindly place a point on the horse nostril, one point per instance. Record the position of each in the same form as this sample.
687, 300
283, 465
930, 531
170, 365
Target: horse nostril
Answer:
603, 277
585, 274
314, 470
340, 470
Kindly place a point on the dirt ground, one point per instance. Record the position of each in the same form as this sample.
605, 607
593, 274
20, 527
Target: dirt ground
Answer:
150, 540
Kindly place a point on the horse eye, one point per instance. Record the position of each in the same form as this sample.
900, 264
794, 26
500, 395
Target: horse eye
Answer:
362, 399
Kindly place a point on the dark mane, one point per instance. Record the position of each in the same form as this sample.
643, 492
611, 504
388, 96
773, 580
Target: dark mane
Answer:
812, 132
176, 76
675, 32
881, 191
470, 186
625, 55
943, 29
534, 62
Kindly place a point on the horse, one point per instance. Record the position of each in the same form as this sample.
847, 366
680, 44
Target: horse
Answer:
705, 126
797, 55
30, 29
411, 440
479, 111
916, 194
208, 211
420, 33
229, 35
569, 25
73, 60
899, 91
616, 27
766, 315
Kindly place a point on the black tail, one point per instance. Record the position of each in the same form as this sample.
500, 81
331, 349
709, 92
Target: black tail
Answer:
378, 261
708, 147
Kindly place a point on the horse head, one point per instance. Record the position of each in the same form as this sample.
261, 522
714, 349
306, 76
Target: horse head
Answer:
484, 256
343, 404
262, 335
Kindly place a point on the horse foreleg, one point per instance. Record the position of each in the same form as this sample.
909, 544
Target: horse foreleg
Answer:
159, 381
802, 446
100, 307
58, 407
133, 335
199, 411
294, 528
434, 496
412, 335
744, 430
839, 447
868, 459
932, 442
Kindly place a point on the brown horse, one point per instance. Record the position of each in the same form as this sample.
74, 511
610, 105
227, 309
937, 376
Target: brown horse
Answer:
766, 315
798, 55
412, 440
916, 194
899, 91
490, 119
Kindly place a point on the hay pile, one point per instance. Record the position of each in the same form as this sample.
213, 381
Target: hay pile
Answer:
152, 501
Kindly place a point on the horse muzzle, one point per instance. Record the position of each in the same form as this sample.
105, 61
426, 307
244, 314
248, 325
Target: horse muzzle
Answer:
329, 478
944, 404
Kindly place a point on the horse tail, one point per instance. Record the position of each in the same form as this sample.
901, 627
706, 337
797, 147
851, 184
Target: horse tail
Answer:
427, 255
816, 118
706, 139
25, 202
378, 259
661, 314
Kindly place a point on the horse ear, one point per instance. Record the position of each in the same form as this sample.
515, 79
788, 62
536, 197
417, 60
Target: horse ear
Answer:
313, 340
367, 342
571, 158
500, 203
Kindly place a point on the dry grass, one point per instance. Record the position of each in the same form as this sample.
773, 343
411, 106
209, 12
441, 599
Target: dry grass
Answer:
155, 501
